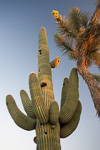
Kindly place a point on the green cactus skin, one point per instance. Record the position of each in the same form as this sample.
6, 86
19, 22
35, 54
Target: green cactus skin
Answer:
54, 113
42, 110
64, 91
71, 100
39, 107
19, 118
27, 104
68, 128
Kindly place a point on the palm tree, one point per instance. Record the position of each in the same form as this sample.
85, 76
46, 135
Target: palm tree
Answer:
79, 38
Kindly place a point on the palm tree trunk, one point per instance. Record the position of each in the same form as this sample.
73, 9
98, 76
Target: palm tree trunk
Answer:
92, 85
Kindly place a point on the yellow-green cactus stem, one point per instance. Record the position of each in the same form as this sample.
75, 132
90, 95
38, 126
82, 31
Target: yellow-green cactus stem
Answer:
68, 128
54, 112
72, 97
48, 138
27, 104
64, 91
42, 37
45, 132
40, 109
19, 118
55, 62
44, 69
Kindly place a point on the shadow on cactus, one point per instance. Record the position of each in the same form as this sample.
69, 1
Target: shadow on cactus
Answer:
42, 110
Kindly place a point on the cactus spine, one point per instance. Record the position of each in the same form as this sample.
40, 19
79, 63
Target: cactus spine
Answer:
42, 110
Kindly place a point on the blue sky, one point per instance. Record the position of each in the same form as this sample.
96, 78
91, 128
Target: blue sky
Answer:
20, 22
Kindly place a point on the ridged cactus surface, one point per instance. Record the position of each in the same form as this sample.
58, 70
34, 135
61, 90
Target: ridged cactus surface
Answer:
42, 110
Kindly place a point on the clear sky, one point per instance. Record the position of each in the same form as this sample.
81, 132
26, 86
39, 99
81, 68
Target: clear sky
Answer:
20, 22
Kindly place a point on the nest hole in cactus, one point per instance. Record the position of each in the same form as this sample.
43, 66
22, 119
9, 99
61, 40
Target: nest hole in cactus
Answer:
64, 83
40, 51
45, 133
43, 84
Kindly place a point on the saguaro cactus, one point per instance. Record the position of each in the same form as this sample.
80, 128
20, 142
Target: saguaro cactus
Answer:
42, 110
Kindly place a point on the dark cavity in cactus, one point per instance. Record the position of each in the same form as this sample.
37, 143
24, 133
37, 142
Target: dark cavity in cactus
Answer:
42, 110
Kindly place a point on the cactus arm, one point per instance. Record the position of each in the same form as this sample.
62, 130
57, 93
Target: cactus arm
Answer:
72, 97
55, 62
40, 109
68, 128
54, 113
19, 118
64, 91
27, 104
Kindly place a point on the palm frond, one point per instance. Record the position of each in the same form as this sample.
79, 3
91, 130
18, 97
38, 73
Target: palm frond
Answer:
97, 77
85, 17
66, 46
74, 17
62, 43
64, 27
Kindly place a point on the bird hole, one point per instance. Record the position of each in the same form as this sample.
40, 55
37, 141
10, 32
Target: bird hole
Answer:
40, 51
43, 84
45, 133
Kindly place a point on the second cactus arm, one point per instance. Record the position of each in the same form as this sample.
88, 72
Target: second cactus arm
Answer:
42, 110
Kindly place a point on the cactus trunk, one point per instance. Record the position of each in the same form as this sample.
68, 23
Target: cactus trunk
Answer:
48, 136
